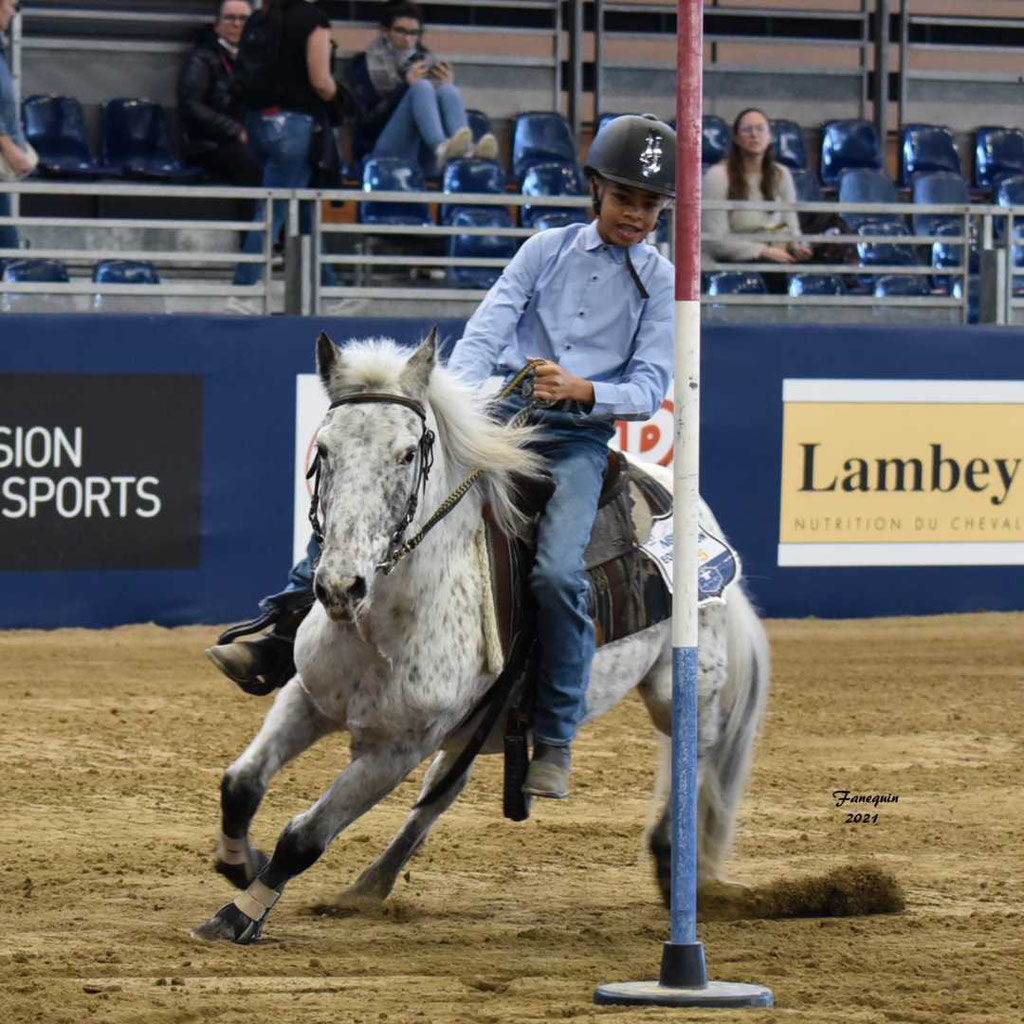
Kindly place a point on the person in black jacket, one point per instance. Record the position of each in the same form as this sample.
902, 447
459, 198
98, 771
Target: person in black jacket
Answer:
212, 119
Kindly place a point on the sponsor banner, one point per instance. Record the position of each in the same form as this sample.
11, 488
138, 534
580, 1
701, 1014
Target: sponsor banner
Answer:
100, 472
902, 473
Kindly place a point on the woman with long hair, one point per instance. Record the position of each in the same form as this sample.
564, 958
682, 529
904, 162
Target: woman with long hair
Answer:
749, 172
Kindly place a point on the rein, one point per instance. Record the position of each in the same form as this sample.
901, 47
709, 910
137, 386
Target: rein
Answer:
398, 547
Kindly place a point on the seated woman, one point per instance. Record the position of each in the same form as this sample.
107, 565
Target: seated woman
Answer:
13, 147
410, 105
750, 172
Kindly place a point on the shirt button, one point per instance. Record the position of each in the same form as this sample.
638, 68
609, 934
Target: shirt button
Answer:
581, 312
594, 278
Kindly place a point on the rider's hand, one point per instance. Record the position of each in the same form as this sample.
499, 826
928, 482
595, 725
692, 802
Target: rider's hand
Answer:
554, 383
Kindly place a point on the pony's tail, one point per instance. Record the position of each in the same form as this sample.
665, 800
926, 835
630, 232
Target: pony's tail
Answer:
728, 762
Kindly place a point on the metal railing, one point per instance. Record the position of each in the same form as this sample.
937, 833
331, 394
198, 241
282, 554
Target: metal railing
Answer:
196, 254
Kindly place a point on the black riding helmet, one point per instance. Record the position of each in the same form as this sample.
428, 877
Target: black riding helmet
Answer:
636, 150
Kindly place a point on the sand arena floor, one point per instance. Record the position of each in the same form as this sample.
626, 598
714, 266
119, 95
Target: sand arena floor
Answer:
112, 748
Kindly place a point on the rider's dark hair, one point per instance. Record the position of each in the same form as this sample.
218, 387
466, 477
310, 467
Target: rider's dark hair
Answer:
734, 163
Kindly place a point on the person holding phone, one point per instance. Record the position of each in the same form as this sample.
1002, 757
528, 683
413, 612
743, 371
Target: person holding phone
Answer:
410, 105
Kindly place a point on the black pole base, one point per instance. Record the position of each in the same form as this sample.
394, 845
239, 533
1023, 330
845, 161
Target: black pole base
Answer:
683, 965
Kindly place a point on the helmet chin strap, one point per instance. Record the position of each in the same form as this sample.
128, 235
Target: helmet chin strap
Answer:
595, 196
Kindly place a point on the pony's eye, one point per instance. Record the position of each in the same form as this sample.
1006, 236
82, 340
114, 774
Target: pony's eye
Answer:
407, 456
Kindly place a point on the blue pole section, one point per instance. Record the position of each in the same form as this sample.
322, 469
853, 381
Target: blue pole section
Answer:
684, 795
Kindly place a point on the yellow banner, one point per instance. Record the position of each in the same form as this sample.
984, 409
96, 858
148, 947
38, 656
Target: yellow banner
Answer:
944, 467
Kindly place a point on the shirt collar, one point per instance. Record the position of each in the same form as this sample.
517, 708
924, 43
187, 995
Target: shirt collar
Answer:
591, 240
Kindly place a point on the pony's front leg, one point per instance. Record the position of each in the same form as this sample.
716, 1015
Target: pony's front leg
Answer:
373, 773
292, 725
377, 881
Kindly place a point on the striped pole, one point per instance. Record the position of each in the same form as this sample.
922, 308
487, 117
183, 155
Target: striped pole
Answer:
683, 980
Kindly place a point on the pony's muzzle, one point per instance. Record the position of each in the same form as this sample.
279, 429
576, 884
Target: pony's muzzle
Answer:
342, 597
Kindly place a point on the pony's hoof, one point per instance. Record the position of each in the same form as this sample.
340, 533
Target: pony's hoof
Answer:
241, 875
229, 924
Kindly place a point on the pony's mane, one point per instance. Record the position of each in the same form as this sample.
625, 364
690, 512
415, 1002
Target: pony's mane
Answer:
469, 438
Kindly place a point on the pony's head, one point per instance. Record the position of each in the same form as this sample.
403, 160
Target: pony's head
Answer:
375, 448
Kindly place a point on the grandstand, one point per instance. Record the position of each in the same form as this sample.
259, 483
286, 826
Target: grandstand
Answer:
936, 164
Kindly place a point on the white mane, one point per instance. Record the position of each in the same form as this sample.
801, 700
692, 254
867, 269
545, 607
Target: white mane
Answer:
469, 438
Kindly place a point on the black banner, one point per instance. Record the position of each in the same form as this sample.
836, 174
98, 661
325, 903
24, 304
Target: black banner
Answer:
100, 472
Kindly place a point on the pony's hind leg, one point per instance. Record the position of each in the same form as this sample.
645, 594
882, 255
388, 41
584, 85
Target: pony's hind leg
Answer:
376, 882
292, 725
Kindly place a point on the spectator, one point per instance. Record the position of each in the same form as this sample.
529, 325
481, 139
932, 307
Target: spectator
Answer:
410, 105
212, 119
13, 147
750, 172
291, 127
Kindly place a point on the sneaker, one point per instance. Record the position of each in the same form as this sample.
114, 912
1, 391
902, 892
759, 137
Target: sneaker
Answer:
486, 148
458, 145
548, 774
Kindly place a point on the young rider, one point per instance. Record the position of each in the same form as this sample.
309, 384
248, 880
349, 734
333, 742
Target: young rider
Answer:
592, 306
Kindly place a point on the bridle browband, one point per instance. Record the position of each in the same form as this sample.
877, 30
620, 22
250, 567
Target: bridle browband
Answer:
425, 452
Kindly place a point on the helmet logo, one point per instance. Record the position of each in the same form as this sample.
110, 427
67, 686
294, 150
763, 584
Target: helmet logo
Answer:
650, 158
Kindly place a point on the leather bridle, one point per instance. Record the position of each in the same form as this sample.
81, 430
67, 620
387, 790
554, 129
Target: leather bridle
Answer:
425, 455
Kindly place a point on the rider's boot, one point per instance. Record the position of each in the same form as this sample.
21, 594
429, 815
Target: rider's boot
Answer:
261, 666
548, 774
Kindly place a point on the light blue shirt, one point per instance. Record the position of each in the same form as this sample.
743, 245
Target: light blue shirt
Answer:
10, 123
567, 296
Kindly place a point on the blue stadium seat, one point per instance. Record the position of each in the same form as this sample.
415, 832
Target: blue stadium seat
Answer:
1009, 192
55, 125
470, 175
551, 179
539, 137
731, 282
950, 254
789, 144
816, 284
137, 143
806, 185
715, 139
925, 148
884, 254
126, 272
938, 187
866, 185
998, 153
479, 123
29, 271
846, 144
480, 246
391, 174
891, 285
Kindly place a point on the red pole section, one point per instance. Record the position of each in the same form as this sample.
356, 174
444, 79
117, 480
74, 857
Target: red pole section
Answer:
689, 106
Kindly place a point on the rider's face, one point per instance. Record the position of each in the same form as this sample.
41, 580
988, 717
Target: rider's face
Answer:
628, 214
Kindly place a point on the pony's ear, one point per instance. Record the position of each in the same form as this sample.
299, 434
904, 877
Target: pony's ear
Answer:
416, 374
328, 356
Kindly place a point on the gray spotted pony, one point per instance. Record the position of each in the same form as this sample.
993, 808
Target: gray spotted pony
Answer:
398, 659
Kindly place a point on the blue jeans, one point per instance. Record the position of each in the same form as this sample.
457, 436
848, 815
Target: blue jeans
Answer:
299, 591
282, 143
8, 234
426, 115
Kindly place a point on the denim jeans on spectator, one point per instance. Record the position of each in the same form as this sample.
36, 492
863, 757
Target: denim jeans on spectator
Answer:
426, 116
8, 234
282, 142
